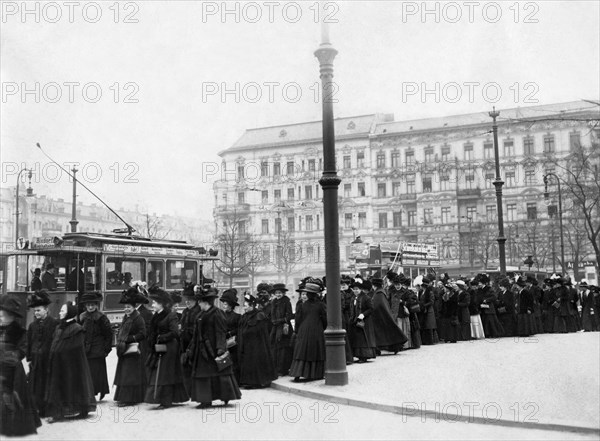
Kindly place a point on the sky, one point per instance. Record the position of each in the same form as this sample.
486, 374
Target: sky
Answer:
141, 94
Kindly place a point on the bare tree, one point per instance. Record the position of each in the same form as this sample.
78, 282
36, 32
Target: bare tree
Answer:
485, 246
232, 242
576, 241
535, 241
153, 228
288, 256
253, 259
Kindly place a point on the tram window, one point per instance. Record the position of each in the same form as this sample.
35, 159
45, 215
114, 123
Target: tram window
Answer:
121, 271
156, 271
180, 272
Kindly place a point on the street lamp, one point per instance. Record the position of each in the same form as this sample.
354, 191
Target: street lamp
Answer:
279, 207
471, 249
498, 182
560, 223
29, 193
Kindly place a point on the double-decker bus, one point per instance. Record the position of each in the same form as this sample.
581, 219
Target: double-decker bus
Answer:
106, 263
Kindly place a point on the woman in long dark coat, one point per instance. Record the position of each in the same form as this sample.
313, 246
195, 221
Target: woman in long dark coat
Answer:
525, 321
399, 308
347, 299
362, 338
255, 356
18, 414
388, 335
281, 332
429, 335
589, 314
130, 376
187, 324
464, 315
69, 389
98, 341
506, 308
39, 340
491, 325
165, 380
208, 343
449, 313
475, 311
309, 352
563, 321
232, 320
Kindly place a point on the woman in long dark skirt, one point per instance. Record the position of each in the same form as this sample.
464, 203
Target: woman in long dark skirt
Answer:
449, 313
388, 335
347, 299
464, 316
130, 375
18, 414
362, 333
187, 323
525, 323
209, 342
165, 382
281, 332
309, 352
255, 356
429, 334
229, 301
506, 308
491, 325
589, 314
98, 341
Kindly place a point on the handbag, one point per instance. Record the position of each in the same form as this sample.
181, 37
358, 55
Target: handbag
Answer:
485, 306
556, 304
286, 329
132, 349
502, 310
415, 308
360, 323
160, 348
230, 342
223, 361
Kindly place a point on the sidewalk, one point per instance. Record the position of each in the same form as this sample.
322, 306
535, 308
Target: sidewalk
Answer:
549, 381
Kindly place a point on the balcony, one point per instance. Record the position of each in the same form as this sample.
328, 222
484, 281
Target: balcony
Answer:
408, 197
469, 193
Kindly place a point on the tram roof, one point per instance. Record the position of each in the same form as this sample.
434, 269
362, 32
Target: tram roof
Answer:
129, 240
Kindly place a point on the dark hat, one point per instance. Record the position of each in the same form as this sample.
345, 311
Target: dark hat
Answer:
521, 282
426, 280
10, 305
159, 295
367, 285
313, 288
376, 281
531, 279
38, 298
71, 310
207, 294
49, 266
357, 282
91, 297
132, 296
230, 296
37, 271
482, 278
189, 291
252, 300
504, 282
263, 287
176, 297
391, 275
346, 279
583, 284
278, 287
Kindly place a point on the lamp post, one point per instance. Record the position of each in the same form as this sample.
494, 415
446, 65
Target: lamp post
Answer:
335, 343
74, 220
498, 182
278, 207
471, 249
28, 194
560, 223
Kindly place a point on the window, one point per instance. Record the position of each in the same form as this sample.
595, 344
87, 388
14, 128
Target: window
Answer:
347, 220
242, 227
290, 223
347, 190
468, 151
156, 273
180, 272
276, 169
445, 180
472, 213
309, 222
511, 212
318, 223
361, 188
445, 215
395, 159
240, 173
265, 196
360, 160
310, 253
264, 168
469, 178
266, 254
347, 162
488, 150
383, 220
490, 177
445, 154
320, 163
490, 213
395, 188
311, 165
412, 218
410, 157
510, 178
428, 216
528, 146
427, 187
381, 160
362, 220
290, 168
429, 155
241, 198
549, 144
308, 192
530, 178
381, 190
278, 225
531, 211
277, 195
552, 211
574, 140
290, 194
397, 219
265, 226
509, 148
410, 187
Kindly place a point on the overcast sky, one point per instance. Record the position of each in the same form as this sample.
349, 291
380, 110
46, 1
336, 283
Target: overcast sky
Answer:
167, 63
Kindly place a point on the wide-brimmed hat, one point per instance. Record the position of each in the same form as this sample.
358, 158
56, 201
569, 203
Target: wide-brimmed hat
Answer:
377, 281
252, 300
38, 298
278, 287
159, 295
461, 284
263, 286
10, 305
176, 297
207, 294
583, 284
313, 288
189, 291
531, 279
132, 296
520, 281
91, 297
345, 279
230, 296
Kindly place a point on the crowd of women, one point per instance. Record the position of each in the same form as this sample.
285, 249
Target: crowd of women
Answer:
206, 353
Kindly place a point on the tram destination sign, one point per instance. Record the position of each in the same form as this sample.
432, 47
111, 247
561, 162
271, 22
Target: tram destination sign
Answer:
158, 251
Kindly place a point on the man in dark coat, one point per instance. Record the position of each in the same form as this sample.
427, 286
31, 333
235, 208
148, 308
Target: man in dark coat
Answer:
48, 279
388, 336
39, 339
36, 282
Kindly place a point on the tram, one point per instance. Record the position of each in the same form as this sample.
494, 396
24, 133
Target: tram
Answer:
107, 263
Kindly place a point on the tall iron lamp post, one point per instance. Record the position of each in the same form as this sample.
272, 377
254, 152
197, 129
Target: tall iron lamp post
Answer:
560, 222
29, 193
335, 361
498, 182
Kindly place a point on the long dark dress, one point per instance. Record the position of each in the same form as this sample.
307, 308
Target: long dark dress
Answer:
309, 352
549, 312
401, 313
464, 316
564, 320
429, 335
362, 339
525, 318
255, 356
589, 314
130, 375
537, 310
208, 383
388, 335
187, 323
98, 344
69, 390
410, 300
165, 381
347, 299
232, 320
491, 325
281, 316
449, 317
39, 340
18, 414
507, 313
